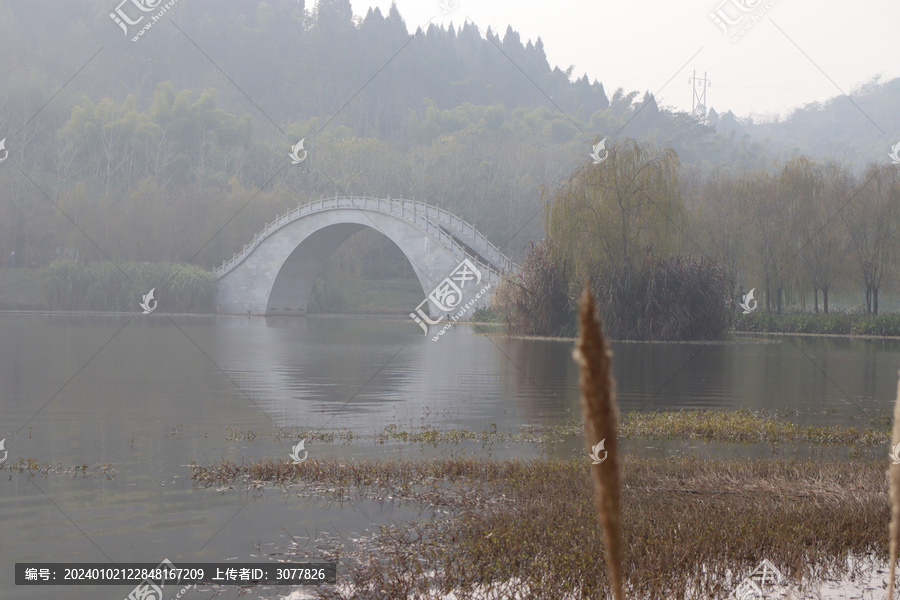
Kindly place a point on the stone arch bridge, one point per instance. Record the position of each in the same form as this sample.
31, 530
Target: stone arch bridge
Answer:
274, 274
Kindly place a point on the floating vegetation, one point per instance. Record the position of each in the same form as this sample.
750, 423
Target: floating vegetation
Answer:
745, 426
725, 426
324, 437
32, 467
429, 435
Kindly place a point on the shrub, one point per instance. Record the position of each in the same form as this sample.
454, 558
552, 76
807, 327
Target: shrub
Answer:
326, 298
675, 298
106, 286
537, 302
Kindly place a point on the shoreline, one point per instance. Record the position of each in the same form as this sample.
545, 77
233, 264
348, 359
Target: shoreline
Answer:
399, 317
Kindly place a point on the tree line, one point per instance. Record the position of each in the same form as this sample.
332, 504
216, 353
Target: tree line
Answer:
180, 167
639, 222
156, 146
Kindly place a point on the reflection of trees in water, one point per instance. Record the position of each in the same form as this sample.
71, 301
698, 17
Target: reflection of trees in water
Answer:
366, 373
546, 378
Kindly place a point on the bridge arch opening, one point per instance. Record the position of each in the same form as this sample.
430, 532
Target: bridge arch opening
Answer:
295, 281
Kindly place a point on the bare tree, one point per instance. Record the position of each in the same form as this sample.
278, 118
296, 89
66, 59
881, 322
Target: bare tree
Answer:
871, 221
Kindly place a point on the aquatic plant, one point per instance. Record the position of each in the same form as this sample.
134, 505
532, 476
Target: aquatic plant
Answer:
691, 524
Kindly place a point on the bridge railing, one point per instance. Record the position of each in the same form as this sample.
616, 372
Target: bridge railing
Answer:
411, 210
416, 212
467, 232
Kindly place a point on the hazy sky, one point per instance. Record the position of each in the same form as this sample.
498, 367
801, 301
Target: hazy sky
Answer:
796, 52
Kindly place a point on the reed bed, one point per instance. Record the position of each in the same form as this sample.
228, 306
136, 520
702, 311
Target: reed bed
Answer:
105, 286
745, 426
725, 426
32, 467
687, 524
677, 298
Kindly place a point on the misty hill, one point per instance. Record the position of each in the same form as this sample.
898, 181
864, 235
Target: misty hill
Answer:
189, 127
853, 129
376, 77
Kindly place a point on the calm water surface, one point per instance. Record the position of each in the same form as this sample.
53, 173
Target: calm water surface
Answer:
151, 394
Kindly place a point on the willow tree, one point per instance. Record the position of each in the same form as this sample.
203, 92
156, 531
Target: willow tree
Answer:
871, 221
721, 222
789, 210
823, 240
608, 215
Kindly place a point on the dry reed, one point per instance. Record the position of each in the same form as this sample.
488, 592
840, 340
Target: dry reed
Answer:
600, 412
691, 524
894, 474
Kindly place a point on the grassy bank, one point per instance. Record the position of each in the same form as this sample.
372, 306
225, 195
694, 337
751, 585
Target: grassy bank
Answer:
687, 523
835, 323
365, 296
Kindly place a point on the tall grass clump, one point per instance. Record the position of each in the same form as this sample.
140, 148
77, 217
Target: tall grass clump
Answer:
536, 300
326, 298
600, 412
105, 286
671, 299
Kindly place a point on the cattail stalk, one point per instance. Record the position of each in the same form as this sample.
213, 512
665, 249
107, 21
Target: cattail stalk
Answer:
600, 413
894, 475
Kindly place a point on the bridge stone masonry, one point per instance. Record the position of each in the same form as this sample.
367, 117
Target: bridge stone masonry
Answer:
274, 274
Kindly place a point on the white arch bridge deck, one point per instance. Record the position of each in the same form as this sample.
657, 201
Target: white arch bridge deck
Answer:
274, 273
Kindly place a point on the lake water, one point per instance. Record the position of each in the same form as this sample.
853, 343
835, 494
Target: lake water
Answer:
150, 394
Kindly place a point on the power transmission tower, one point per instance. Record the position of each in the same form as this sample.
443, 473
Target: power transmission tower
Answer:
698, 102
